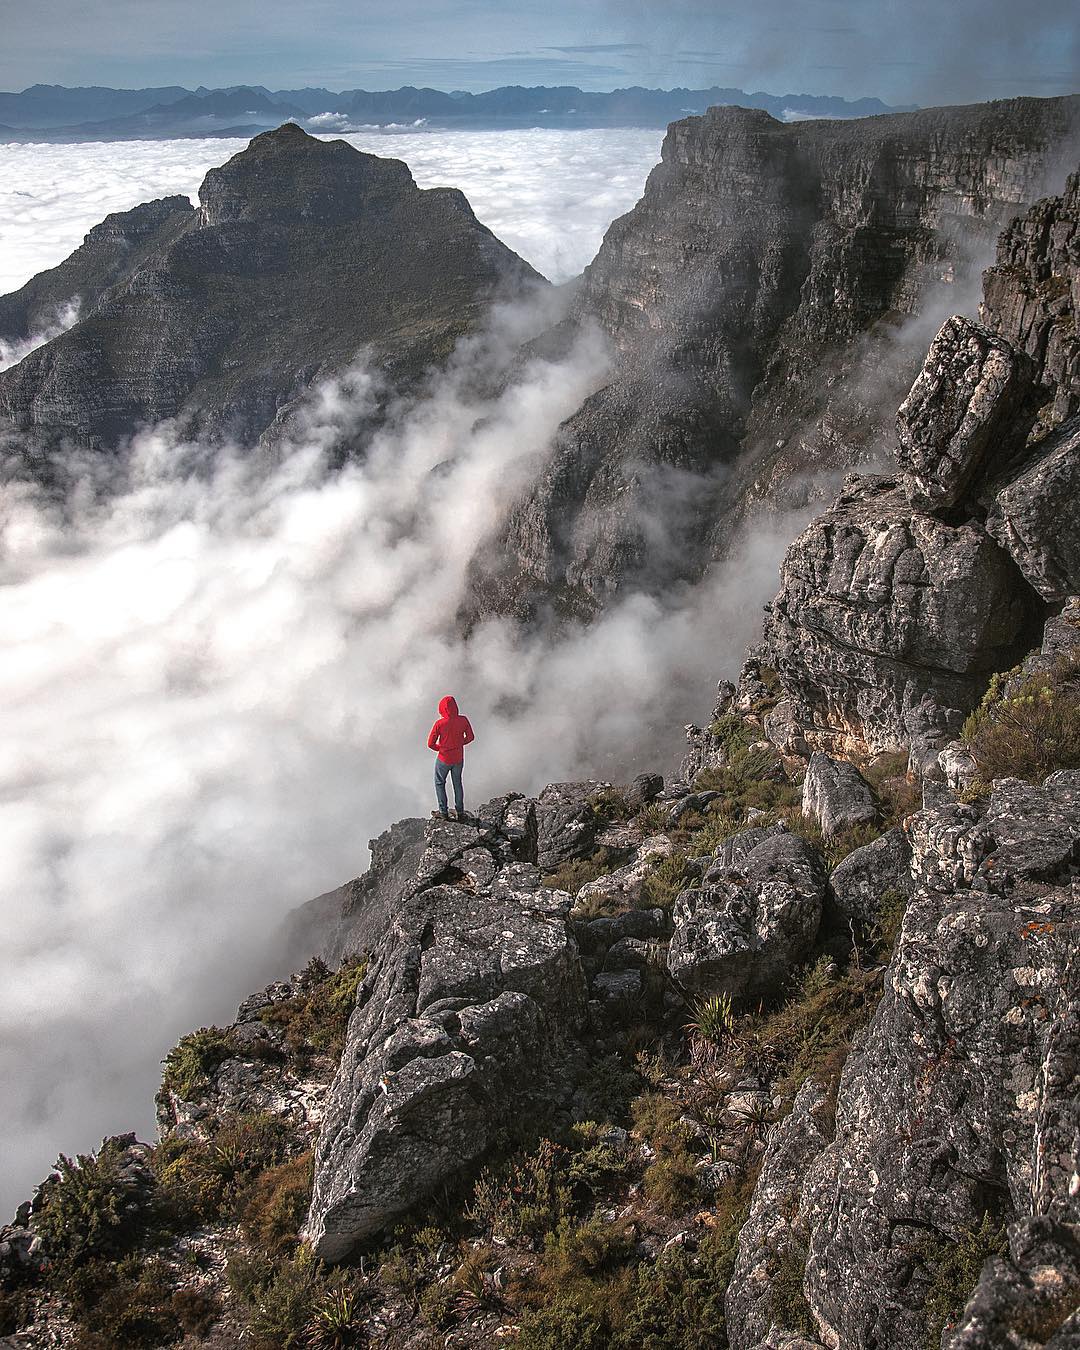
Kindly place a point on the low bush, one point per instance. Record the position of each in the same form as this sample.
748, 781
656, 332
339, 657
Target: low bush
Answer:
88, 1209
953, 1266
202, 1180
317, 1021
123, 1303
576, 872
1032, 731
190, 1063
609, 806
275, 1204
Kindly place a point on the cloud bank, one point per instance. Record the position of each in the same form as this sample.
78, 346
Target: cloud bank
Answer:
549, 195
215, 686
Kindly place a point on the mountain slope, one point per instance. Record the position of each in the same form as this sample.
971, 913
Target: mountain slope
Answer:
754, 296
303, 253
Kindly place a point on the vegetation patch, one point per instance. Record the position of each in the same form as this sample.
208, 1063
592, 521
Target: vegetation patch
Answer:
954, 1266
190, 1063
577, 872
1032, 731
316, 1022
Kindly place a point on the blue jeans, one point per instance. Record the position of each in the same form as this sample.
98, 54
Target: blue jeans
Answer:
441, 771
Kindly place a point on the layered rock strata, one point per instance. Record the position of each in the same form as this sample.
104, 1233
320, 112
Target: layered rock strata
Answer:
758, 298
303, 255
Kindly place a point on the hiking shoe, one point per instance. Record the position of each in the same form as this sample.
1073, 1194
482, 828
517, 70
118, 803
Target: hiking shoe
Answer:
462, 816
440, 815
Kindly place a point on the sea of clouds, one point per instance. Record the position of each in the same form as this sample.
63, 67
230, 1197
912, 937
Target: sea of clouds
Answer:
217, 677
549, 195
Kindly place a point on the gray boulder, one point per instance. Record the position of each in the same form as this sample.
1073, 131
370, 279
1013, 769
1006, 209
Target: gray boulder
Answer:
644, 788
881, 607
859, 881
1034, 515
960, 1098
962, 402
836, 795
743, 932
462, 1023
566, 824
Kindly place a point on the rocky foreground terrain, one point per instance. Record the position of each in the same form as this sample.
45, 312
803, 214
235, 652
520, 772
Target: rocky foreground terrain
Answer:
783, 1054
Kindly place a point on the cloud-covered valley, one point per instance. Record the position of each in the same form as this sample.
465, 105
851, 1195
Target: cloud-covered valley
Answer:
216, 682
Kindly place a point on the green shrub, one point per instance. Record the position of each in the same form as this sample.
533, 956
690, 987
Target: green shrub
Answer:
336, 1314
671, 1179
283, 1308
525, 1197
953, 1266
678, 1302
317, 1021
566, 1323
202, 1180
1031, 732
577, 872
125, 1303
189, 1064
88, 1210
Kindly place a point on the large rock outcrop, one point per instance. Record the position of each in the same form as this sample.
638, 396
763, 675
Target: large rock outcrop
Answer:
303, 254
734, 294
898, 603
111, 253
882, 607
462, 1022
957, 1108
1032, 295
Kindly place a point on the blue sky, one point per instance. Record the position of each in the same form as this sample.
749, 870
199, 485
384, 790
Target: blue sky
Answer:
900, 50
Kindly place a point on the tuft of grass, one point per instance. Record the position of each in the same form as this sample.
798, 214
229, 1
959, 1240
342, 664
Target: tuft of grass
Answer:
276, 1203
668, 877
713, 1020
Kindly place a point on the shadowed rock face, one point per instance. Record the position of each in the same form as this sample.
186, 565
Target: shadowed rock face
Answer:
302, 254
109, 254
740, 293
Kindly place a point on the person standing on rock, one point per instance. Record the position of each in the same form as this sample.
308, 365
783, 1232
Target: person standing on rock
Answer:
449, 737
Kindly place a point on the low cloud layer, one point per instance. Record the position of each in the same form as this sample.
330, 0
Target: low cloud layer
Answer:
216, 687
549, 195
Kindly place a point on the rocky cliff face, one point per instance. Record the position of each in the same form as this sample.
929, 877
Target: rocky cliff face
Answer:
302, 254
109, 254
754, 295
898, 603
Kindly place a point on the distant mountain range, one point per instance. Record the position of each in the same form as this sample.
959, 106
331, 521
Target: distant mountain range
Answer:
54, 113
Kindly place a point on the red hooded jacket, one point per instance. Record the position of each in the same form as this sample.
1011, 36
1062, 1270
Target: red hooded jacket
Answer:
451, 733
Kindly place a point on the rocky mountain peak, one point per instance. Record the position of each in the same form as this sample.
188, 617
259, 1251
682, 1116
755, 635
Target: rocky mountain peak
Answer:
287, 176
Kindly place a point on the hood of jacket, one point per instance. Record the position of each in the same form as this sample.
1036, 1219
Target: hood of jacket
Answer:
448, 706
